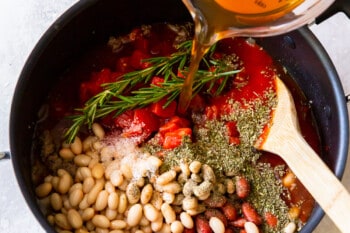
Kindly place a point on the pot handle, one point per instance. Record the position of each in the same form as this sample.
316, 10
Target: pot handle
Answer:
337, 6
5, 155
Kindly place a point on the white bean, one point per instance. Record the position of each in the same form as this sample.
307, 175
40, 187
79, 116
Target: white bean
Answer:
102, 200
150, 212
43, 190
290, 228
116, 178
66, 154
195, 166
98, 130
168, 213
82, 160
186, 220
76, 197
134, 215
118, 224
101, 221
166, 177
146, 193
74, 219
123, 203
56, 201
77, 146
217, 225
87, 214
176, 227
250, 227
113, 200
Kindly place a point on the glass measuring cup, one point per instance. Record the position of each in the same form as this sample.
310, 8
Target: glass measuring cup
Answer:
218, 19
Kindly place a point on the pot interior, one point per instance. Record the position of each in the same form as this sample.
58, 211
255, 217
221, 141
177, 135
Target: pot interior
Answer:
91, 22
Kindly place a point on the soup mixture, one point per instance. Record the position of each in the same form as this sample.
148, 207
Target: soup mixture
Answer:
113, 154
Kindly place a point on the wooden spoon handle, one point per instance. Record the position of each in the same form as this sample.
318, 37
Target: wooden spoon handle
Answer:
316, 177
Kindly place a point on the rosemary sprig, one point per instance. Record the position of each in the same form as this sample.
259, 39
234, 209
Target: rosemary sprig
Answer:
114, 100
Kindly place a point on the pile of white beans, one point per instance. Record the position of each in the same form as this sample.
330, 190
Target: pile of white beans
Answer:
106, 194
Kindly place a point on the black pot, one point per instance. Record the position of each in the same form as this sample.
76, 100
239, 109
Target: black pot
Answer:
90, 22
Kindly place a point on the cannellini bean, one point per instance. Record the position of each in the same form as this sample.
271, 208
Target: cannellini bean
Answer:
165, 228
176, 227
203, 189
290, 228
54, 181
98, 171
195, 166
178, 199
66, 154
116, 178
82, 160
117, 231
113, 200
76, 197
186, 220
84, 203
62, 221
43, 190
157, 224
168, 213
56, 201
168, 197
172, 187
87, 214
126, 171
75, 187
88, 184
157, 200
118, 224
111, 214
85, 172
92, 195
74, 219
144, 221
133, 193
185, 170
146, 229
166, 177
101, 221
51, 219
150, 212
101, 200
77, 146
123, 203
134, 215
187, 189
101, 230
154, 161
208, 173
146, 193
217, 225
90, 226
230, 186
80, 231
250, 227
88, 142
109, 187
98, 130
189, 203
196, 178
64, 183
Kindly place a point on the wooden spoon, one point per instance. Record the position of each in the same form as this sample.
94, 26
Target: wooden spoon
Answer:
283, 138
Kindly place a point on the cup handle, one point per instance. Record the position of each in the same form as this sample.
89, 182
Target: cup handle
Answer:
337, 6
5, 155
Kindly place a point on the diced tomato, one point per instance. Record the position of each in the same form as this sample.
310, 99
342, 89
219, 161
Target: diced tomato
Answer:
123, 65
233, 133
164, 112
212, 112
157, 81
174, 139
140, 122
136, 60
124, 120
173, 124
271, 219
93, 86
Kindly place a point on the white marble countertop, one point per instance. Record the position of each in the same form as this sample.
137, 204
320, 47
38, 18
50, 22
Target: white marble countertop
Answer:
22, 22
